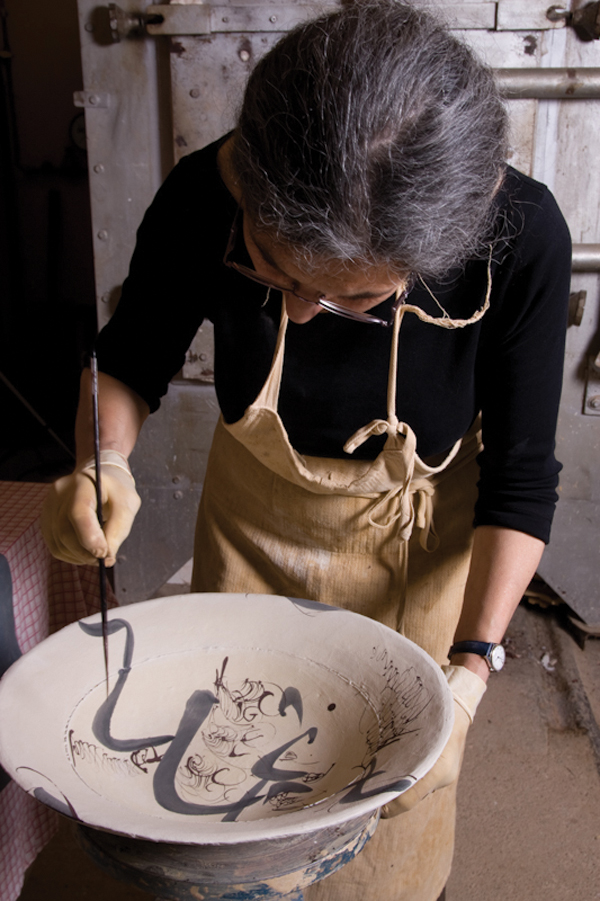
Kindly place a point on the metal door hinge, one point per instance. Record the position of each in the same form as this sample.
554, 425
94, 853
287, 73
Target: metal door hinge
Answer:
91, 99
585, 21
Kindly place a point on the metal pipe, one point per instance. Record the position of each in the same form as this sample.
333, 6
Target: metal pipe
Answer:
549, 84
586, 257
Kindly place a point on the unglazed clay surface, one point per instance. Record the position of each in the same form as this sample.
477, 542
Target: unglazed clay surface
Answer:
229, 717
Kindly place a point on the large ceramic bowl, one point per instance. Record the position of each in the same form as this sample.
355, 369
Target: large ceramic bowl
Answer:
229, 717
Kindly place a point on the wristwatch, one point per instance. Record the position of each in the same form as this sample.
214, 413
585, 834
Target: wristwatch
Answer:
493, 654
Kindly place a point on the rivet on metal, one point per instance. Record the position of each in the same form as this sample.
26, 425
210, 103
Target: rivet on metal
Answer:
176, 480
225, 19
98, 168
195, 92
244, 56
594, 402
92, 99
105, 297
103, 234
272, 19
177, 495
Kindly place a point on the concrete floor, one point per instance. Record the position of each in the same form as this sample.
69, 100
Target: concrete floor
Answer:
529, 795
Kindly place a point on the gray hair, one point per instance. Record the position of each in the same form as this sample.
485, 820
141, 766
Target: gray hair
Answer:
372, 134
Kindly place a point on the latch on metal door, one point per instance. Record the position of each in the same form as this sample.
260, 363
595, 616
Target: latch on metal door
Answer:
204, 19
585, 21
125, 25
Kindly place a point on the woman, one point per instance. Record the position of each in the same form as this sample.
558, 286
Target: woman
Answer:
382, 287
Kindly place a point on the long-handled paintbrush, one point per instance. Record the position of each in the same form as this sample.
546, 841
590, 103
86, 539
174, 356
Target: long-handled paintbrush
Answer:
101, 562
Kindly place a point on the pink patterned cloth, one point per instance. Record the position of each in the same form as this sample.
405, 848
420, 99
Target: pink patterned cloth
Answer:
47, 595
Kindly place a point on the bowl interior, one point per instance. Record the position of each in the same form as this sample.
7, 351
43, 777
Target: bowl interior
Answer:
244, 724
226, 715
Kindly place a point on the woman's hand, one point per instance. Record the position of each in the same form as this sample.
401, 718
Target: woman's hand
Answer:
467, 689
69, 519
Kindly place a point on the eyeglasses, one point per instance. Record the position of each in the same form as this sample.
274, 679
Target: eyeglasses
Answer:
322, 301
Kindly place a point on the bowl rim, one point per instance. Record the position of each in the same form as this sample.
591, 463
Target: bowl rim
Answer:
169, 828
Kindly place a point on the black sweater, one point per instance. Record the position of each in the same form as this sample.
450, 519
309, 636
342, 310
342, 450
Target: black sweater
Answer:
508, 366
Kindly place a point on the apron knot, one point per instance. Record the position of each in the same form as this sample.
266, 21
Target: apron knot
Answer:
376, 427
412, 505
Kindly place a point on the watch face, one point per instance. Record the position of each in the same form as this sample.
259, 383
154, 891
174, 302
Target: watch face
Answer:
497, 657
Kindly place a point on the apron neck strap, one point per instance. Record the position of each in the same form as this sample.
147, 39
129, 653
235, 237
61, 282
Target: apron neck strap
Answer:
269, 394
393, 367
443, 321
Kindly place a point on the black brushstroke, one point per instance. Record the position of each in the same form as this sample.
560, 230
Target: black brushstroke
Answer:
315, 606
102, 721
286, 788
9, 646
50, 801
356, 791
291, 697
264, 768
198, 707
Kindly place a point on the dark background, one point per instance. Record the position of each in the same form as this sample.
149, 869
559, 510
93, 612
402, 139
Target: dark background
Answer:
47, 298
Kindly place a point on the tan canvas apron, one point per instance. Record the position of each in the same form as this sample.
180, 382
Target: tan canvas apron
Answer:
360, 535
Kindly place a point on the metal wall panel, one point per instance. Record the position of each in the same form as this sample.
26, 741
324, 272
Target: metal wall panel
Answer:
567, 133
208, 75
127, 153
553, 141
169, 463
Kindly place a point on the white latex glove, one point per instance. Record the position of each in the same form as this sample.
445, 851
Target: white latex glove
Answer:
69, 520
467, 689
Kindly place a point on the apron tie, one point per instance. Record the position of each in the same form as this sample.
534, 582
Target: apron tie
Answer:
413, 502
376, 427
425, 491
